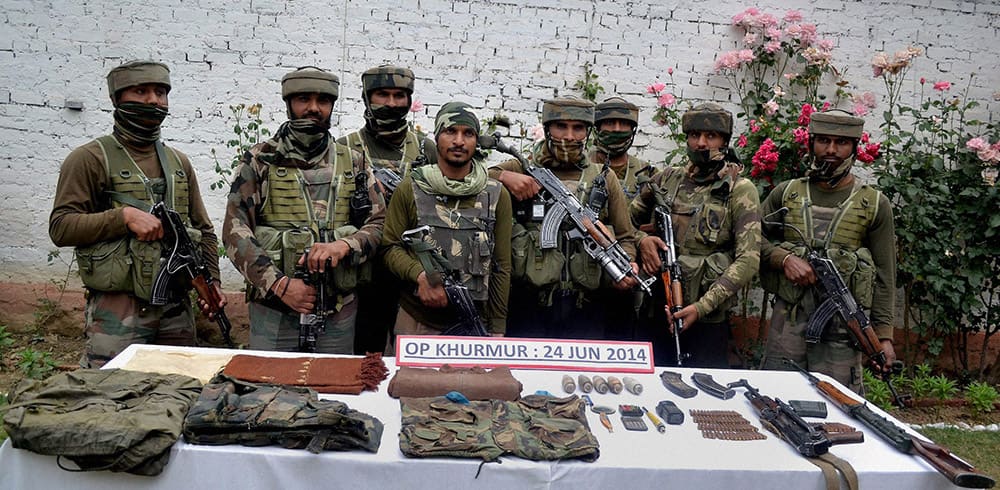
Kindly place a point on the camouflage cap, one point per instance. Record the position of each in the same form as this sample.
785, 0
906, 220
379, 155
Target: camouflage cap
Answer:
309, 79
387, 76
616, 108
453, 114
568, 109
135, 73
836, 122
707, 116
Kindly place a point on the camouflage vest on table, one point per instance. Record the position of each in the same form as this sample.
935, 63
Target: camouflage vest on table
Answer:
126, 264
464, 235
703, 229
837, 233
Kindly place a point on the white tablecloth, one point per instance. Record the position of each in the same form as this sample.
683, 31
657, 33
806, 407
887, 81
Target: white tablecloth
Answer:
680, 458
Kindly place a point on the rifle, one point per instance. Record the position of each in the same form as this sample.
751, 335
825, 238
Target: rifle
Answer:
389, 179
837, 299
313, 324
440, 273
957, 471
810, 440
596, 238
179, 253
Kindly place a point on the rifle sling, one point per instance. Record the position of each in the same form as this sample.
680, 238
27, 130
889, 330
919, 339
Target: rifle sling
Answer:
834, 469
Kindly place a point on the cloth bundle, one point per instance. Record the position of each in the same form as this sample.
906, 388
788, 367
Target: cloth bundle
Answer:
475, 383
344, 375
102, 419
536, 427
235, 412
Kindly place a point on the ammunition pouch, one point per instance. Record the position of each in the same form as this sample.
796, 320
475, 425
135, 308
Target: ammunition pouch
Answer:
350, 272
774, 280
856, 268
531, 263
700, 272
583, 270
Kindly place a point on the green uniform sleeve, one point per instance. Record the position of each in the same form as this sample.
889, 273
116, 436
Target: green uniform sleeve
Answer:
402, 216
499, 287
243, 208
80, 216
618, 216
744, 210
510, 165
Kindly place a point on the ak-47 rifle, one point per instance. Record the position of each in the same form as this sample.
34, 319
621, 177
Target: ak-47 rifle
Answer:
838, 300
670, 270
180, 254
957, 471
439, 272
312, 324
389, 179
809, 440
561, 204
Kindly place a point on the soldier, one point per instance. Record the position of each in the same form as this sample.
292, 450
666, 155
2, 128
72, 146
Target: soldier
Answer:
104, 192
557, 291
470, 218
717, 233
386, 141
302, 190
844, 220
617, 121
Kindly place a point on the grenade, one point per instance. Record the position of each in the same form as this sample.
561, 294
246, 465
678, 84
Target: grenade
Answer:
567, 384
585, 385
615, 384
633, 386
600, 384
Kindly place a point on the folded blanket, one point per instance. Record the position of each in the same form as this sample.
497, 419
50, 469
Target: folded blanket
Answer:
342, 375
475, 383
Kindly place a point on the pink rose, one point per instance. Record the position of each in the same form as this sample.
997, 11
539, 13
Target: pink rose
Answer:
774, 33
655, 88
670, 71
754, 127
793, 16
807, 110
977, 144
742, 141
801, 135
942, 86
826, 106
770, 107
537, 132
666, 100
772, 46
417, 106
923, 80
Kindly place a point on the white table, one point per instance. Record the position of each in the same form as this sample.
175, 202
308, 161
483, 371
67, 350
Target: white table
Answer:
681, 458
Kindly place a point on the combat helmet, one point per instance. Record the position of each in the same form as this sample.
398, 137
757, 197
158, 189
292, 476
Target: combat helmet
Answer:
836, 122
310, 79
387, 76
708, 116
616, 108
568, 109
137, 72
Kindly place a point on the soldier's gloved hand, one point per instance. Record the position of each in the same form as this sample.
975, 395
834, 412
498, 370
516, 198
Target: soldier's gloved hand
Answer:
688, 314
145, 226
323, 254
431, 296
798, 271
521, 186
629, 282
649, 250
299, 296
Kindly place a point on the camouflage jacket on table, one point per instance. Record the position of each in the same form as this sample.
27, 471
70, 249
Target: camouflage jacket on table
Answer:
700, 231
230, 411
245, 205
536, 427
626, 174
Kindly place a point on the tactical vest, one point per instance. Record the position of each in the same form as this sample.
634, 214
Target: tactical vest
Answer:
464, 235
836, 233
550, 268
127, 264
703, 229
411, 151
288, 219
629, 181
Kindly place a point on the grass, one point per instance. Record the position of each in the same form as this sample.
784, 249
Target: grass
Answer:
978, 448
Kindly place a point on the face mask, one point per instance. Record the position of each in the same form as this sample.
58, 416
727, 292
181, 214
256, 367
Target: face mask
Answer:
302, 139
614, 143
387, 122
139, 122
567, 151
829, 171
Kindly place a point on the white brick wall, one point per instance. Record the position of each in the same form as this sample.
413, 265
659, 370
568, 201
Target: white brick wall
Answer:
502, 56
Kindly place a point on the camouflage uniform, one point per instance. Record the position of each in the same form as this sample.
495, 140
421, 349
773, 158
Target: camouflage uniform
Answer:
84, 215
863, 235
470, 221
717, 231
570, 304
378, 301
326, 179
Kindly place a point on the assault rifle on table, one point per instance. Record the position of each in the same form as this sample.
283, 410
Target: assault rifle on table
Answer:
670, 270
440, 273
838, 300
809, 440
957, 471
312, 324
597, 240
389, 179
180, 254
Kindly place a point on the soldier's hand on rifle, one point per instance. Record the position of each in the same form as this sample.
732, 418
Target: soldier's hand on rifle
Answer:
209, 310
629, 282
890, 355
649, 250
798, 271
145, 226
323, 254
689, 314
431, 296
521, 186
299, 296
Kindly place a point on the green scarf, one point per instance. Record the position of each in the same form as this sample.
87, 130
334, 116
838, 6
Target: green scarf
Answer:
298, 143
430, 179
543, 156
